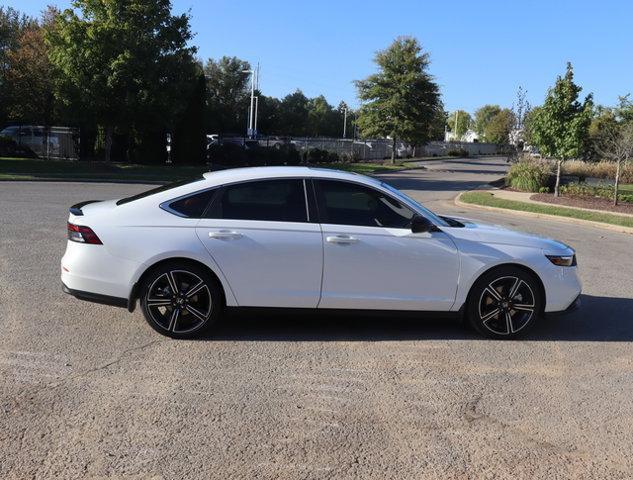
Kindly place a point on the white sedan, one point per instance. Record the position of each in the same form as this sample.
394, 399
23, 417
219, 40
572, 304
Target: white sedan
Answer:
307, 238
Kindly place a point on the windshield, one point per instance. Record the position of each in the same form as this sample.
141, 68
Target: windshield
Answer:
438, 221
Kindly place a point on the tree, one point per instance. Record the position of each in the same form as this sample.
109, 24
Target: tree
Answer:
560, 127
499, 126
483, 115
124, 62
29, 89
616, 144
293, 113
322, 118
458, 122
401, 100
13, 24
228, 94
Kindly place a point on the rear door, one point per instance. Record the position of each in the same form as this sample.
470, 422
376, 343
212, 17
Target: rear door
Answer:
372, 259
264, 241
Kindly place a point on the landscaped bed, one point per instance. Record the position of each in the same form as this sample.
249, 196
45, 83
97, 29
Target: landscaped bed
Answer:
489, 200
594, 203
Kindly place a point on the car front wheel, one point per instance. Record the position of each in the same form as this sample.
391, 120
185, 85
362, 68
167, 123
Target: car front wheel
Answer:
505, 302
180, 301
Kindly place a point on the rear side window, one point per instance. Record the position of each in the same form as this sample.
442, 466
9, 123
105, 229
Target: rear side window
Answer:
345, 203
192, 206
265, 200
162, 188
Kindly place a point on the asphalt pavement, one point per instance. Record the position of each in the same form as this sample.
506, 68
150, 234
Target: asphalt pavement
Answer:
89, 391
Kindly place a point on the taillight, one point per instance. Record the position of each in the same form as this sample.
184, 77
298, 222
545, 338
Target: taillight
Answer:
81, 234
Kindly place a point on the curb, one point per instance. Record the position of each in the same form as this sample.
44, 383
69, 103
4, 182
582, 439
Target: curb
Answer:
576, 221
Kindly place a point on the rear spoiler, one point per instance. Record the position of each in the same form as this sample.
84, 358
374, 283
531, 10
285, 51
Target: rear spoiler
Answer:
76, 208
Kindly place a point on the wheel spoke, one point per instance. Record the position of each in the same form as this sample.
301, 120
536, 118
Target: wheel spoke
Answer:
195, 289
525, 308
196, 313
172, 282
158, 302
490, 315
509, 326
492, 292
173, 321
514, 288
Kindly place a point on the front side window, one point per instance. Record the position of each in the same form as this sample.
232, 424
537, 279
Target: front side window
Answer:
265, 200
345, 203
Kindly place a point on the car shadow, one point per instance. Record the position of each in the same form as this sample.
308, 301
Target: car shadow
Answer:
599, 319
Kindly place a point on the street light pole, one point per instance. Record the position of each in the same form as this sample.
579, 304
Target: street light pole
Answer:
345, 122
249, 129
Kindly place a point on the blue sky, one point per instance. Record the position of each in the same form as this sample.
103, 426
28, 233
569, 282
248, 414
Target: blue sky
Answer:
481, 51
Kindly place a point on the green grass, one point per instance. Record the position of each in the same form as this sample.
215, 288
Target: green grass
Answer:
34, 169
488, 200
626, 187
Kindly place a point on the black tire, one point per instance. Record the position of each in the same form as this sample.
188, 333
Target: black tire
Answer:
505, 302
196, 304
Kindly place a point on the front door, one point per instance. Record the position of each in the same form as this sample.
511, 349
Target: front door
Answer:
259, 234
372, 260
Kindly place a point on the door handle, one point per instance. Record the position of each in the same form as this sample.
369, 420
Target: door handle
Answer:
225, 235
341, 239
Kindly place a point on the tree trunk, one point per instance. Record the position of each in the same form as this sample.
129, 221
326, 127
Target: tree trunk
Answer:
617, 183
557, 186
108, 143
393, 151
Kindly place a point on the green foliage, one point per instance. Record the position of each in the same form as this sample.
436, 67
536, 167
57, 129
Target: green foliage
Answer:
459, 122
457, 152
601, 191
489, 200
499, 126
560, 128
123, 64
13, 24
317, 155
402, 100
528, 176
228, 94
483, 116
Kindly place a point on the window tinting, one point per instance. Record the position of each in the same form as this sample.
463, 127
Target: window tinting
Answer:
344, 203
268, 200
193, 206
162, 188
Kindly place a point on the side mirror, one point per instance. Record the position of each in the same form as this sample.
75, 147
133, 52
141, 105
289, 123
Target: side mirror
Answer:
420, 224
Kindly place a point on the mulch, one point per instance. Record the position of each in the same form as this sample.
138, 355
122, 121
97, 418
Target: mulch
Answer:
594, 203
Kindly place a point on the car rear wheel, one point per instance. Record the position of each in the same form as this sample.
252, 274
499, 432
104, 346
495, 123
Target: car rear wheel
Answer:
505, 303
180, 301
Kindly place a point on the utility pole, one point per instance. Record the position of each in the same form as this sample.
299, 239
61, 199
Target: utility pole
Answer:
456, 117
256, 108
345, 122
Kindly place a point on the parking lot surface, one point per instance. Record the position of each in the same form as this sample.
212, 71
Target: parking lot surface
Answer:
89, 391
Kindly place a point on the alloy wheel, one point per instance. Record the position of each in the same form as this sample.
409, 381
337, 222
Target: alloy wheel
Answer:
179, 301
506, 306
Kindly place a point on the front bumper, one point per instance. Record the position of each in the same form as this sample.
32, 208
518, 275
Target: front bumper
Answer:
575, 305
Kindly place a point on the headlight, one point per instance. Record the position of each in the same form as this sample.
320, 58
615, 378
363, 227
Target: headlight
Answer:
563, 260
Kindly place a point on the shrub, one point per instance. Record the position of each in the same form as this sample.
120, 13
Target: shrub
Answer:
602, 169
318, 155
529, 176
600, 191
457, 152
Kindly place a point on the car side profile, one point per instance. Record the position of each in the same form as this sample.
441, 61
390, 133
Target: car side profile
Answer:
307, 238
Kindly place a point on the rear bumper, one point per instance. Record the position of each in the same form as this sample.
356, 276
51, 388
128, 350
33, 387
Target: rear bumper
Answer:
96, 297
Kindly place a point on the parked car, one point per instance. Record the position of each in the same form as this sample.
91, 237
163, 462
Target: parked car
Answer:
44, 141
297, 237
